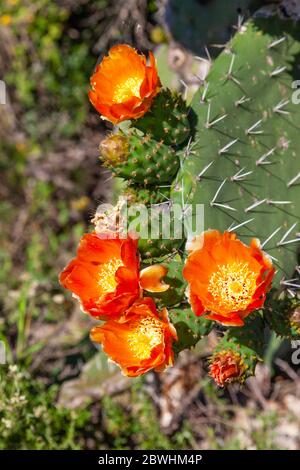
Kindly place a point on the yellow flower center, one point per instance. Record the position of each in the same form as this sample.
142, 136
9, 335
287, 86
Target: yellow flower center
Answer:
107, 271
145, 335
127, 89
233, 286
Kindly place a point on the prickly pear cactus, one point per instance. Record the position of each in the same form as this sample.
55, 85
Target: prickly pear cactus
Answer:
157, 234
126, 156
234, 152
190, 329
242, 162
167, 120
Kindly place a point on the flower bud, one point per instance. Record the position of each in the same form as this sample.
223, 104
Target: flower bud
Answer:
114, 149
226, 367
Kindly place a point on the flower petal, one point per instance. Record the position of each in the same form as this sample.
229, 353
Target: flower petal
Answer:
141, 341
227, 279
123, 85
150, 278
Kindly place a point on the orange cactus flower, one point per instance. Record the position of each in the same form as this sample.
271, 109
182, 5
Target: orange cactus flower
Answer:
142, 341
123, 85
227, 367
227, 279
105, 275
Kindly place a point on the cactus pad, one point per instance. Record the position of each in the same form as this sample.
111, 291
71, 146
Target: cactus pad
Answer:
167, 119
139, 158
242, 163
190, 329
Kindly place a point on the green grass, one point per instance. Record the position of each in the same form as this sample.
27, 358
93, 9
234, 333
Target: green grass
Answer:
29, 418
136, 425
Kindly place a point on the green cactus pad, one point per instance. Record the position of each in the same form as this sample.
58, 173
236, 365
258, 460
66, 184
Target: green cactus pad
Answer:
247, 341
155, 226
243, 163
283, 316
152, 249
167, 119
147, 196
145, 161
190, 329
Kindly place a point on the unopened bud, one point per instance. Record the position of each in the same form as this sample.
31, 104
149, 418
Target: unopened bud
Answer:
226, 367
114, 149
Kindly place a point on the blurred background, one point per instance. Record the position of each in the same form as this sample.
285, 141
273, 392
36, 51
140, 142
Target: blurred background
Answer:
56, 390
